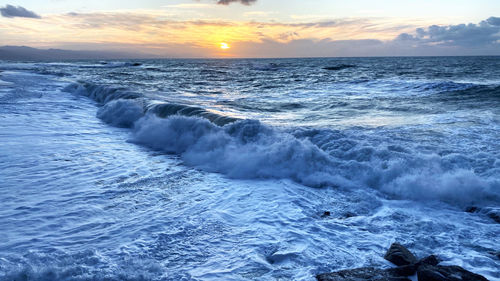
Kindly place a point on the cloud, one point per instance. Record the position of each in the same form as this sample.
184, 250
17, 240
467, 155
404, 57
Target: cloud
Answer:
494, 21
485, 33
10, 11
156, 33
482, 38
244, 2
312, 48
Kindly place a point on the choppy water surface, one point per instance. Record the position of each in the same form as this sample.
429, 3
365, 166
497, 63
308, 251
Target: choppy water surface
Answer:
222, 169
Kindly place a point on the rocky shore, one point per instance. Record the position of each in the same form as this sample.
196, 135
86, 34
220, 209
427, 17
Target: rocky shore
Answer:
426, 269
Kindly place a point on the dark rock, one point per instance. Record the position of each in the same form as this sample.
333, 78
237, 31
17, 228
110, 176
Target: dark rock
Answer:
446, 273
404, 270
325, 214
339, 67
427, 269
136, 64
425, 273
408, 270
430, 260
361, 274
471, 209
493, 213
494, 216
399, 255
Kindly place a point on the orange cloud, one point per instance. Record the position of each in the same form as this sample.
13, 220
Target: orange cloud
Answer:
152, 30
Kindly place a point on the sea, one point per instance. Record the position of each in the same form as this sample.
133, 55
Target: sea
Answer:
246, 169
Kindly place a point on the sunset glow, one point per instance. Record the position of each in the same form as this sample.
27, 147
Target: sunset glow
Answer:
186, 28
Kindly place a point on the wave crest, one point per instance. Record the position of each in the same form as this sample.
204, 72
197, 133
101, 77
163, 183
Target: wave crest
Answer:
244, 149
121, 113
107, 94
248, 149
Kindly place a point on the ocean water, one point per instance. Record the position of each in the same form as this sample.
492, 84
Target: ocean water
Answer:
223, 169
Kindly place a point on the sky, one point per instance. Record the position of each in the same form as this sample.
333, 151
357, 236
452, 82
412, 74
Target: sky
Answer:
256, 28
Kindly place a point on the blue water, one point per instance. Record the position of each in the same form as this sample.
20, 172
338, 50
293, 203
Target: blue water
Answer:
222, 169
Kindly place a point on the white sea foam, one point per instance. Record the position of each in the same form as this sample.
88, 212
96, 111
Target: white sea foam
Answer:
80, 203
244, 149
249, 149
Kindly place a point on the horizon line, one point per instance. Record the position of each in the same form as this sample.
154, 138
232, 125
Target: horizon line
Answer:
145, 56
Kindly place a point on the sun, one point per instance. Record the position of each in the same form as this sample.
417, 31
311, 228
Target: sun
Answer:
224, 46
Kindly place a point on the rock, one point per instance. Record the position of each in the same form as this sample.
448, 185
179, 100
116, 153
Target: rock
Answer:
428, 274
404, 270
408, 270
471, 209
399, 255
446, 273
345, 215
427, 269
492, 212
494, 216
430, 260
361, 274
325, 214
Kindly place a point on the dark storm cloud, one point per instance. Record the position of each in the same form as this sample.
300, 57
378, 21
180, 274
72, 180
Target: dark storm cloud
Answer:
244, 2
10, 11
486, 32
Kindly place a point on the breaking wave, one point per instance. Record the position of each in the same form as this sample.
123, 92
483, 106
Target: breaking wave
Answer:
244, 149
471, 93
121, 112
120, 102
248, 149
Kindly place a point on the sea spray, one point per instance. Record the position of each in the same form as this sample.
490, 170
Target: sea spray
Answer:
313, 157
248, 149
244, 149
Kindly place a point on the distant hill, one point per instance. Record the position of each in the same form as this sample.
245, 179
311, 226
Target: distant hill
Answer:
28, 53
